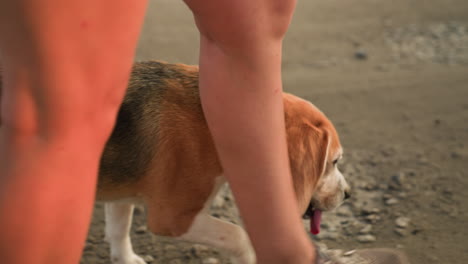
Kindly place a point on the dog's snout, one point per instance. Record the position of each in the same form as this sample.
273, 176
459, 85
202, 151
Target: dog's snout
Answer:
347, 194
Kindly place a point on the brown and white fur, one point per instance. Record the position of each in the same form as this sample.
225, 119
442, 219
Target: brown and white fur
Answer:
161, 154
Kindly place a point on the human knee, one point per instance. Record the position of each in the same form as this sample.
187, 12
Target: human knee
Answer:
281, 12
244, 23
88, 121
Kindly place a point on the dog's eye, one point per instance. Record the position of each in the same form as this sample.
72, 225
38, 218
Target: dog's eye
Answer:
335, 162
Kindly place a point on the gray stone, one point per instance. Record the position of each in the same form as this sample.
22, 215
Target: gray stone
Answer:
366, 229
402, 195
402, 222
148, 258
391, 201
141, 229
138, 210
366, 238
372, 218
349, 253
210, 261
218, 201
360, 55
398, 178
369, 186
455, 155
197, 250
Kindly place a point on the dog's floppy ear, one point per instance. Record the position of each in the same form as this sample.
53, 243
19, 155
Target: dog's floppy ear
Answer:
308, 151
320, 147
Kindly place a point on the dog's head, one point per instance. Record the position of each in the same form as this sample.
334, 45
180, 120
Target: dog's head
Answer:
314, 151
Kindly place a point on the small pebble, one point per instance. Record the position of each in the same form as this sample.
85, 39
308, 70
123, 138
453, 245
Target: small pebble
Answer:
402, 195
402, 222
366, 229
198, 250
398, 178
148, 258
210, 261
391, 201
373, 218
366, 238
138, 210
141, 229
218, 201
455, 155
349, 253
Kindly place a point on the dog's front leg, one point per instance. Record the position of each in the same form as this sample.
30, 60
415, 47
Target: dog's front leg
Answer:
118, 223
223, 235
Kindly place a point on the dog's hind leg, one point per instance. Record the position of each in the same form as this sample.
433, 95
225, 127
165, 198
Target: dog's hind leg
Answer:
118, 223
223, 235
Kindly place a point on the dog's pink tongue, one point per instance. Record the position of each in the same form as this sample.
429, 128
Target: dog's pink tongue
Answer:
315, 222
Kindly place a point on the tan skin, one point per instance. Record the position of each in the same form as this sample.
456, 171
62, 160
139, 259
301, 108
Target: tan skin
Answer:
61, 97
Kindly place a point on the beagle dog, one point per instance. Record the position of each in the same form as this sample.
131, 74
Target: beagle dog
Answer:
161, 154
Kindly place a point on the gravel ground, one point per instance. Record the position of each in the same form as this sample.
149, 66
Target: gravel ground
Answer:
381, 202
445, 43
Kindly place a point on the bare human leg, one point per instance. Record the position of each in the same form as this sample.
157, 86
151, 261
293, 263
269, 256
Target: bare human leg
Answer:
241, 92
65, 66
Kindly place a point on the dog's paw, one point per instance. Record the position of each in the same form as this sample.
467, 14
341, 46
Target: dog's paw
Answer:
128, 259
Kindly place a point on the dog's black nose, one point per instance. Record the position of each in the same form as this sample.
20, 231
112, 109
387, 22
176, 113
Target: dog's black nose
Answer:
347, 195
